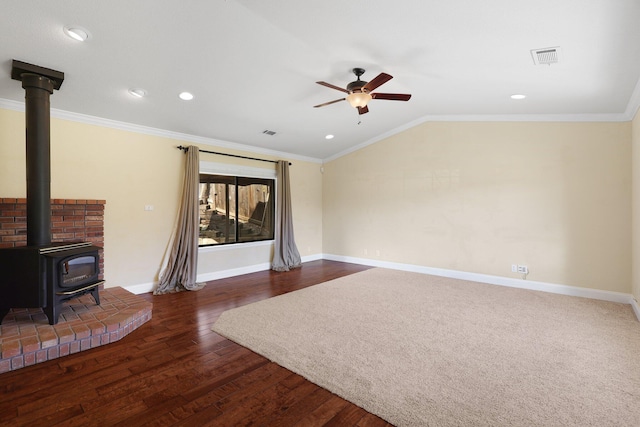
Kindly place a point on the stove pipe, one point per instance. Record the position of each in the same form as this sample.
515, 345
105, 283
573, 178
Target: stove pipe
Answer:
37, 110
38, 83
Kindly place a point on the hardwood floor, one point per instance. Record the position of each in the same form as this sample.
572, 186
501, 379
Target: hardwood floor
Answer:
174, 371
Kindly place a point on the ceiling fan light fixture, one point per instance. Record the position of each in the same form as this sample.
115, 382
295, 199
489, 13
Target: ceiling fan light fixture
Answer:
358, 99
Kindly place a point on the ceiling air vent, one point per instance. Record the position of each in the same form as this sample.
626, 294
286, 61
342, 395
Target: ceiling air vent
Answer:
269, 132
546, 56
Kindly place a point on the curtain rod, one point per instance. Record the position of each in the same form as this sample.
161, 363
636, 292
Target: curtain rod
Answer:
180, 147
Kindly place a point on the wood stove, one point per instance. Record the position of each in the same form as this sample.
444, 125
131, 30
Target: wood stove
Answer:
42, 274
45, 277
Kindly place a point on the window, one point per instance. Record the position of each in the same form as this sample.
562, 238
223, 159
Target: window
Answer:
235, 209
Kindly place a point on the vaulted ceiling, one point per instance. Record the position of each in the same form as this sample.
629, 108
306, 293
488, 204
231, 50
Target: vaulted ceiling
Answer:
252, 65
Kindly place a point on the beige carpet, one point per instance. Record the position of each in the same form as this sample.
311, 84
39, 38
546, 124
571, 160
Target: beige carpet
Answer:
420, 350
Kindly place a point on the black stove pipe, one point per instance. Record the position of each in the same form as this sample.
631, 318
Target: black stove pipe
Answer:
26, 279
37, 117
38, 83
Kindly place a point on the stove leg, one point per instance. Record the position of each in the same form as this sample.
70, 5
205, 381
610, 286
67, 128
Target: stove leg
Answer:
96, 297
3, 312
52, 313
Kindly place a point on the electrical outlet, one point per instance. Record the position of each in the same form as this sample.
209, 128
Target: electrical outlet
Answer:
523, 269
514, 268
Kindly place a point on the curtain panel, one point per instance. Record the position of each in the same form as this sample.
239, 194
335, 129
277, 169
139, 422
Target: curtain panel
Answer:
286, 255
181, 270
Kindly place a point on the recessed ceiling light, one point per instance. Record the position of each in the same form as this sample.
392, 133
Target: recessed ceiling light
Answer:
138, 93
186, 96
328, 136
76, 33
518, 96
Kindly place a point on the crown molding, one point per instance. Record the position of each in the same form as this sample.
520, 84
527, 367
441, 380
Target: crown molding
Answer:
614, 117
630, 112
146, 130
634, 103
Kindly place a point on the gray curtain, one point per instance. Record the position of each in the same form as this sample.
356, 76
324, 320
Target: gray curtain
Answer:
286, 255
181, 269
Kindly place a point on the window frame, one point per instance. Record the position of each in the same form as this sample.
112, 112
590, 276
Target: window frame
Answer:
240, 171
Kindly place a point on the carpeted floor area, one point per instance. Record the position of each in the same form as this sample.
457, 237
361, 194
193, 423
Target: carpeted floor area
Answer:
422, 350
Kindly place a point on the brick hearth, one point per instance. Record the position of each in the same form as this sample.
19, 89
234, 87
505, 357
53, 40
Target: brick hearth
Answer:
26, 338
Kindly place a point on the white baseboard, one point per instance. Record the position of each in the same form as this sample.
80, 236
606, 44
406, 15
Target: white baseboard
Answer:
496, 280
141, 288
223, 274
310, 258
204, 277
475, 277
215, 275
636, 307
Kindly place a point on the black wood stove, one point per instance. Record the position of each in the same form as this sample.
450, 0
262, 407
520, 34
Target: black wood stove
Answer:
43, 274
47, 276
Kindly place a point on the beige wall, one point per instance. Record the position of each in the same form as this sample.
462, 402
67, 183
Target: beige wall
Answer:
636, 206
130, 170
479, 197
473, 197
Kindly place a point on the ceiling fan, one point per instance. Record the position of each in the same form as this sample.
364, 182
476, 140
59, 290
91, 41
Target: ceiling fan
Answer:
360, 92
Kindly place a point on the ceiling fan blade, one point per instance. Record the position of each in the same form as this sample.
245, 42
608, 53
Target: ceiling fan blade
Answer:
391, 96
363, 110
329, 103
333, 86
381, 79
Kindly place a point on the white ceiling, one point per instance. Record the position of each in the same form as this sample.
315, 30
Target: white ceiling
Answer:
252, 65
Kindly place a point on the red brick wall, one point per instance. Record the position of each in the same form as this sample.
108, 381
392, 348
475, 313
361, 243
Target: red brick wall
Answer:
71, 221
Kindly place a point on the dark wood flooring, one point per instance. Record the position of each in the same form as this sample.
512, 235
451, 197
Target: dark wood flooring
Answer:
174, 371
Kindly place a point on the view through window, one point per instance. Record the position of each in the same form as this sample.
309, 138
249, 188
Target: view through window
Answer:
235, 209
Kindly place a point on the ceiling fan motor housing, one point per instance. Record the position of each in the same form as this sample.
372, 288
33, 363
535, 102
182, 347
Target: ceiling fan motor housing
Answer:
356, 86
